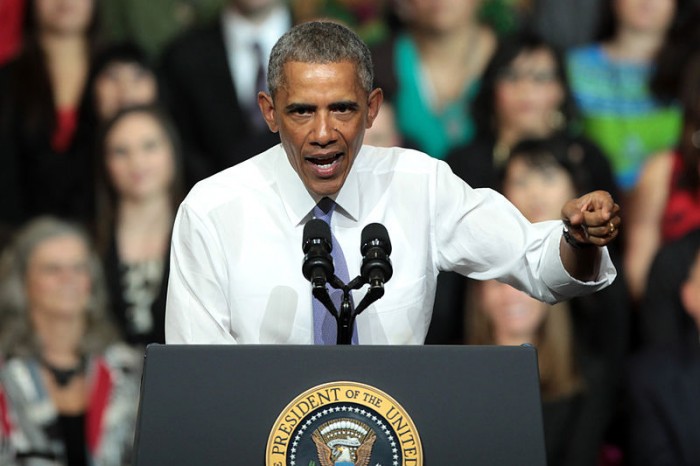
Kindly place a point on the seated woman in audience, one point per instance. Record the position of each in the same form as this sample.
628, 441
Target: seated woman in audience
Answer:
574, 402
139, 186
68, 391
524, 94
121, 76
44, 156
431, 71
663, 385
610, 82
666, 203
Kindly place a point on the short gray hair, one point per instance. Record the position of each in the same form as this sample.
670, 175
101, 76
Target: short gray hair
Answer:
320, 42
17, 338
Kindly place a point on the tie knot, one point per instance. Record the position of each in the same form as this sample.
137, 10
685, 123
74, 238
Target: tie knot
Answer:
324, 209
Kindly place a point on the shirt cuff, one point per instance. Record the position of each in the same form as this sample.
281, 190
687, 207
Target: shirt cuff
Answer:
563, 285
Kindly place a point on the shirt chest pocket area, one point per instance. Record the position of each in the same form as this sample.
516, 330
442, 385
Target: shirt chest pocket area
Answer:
399, 317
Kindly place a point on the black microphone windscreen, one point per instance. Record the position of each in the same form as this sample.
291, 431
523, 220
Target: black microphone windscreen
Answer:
376, 231
316, 229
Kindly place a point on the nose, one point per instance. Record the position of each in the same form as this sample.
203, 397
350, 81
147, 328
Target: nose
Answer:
324, 132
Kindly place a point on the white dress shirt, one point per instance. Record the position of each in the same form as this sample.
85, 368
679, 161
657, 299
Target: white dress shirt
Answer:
239, 35
237, 248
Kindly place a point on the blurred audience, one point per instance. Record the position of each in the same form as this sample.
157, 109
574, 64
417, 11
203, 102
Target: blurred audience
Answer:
11, 17
662, 317
665, 205
575, 403
365, 17
524, 94
153, 24
139, 187
567, 24
212, 76
384, 132
663, 385
682, 42
431, 71
68, 390
44, 155
610, 81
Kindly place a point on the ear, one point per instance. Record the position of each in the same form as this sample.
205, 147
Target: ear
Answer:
267, 108
374, 102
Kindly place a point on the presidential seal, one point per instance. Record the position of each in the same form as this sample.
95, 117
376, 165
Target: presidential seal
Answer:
344, 424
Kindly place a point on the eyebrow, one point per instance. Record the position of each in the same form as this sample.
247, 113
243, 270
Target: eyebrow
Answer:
349, 104
291, 108
297, 107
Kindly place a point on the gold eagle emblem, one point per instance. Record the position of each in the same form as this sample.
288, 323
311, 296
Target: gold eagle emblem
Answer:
344, 441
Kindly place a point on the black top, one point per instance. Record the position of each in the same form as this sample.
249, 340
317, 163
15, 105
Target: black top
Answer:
664, 407
662, 319
73, 433
35, 179
114, 272
575, 426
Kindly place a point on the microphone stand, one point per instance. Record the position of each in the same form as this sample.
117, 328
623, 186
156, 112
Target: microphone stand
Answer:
345, 317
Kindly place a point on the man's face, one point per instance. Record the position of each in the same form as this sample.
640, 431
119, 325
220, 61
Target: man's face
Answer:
321, 113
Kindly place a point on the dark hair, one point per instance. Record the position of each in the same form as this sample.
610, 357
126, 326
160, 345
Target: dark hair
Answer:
682, 42
121, 52
557, 151
32, 85
320, 42
483, 108
106, 196
608, 19
689, 145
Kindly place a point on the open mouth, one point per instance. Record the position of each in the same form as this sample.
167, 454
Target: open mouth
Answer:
325, 165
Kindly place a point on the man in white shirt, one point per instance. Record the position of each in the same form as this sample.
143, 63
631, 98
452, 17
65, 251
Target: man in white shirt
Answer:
237, 243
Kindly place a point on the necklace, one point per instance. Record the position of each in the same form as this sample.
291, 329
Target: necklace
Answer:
64, 376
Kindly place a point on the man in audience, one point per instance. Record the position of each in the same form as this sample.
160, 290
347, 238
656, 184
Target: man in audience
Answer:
212, 76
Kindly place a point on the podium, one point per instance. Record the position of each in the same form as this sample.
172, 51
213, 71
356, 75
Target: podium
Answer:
219, 404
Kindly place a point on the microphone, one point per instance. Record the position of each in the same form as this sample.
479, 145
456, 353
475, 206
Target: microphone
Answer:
317, 246
376, 266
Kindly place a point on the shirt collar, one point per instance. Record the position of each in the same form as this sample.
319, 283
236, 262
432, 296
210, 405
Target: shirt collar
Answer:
239, 31
299, 202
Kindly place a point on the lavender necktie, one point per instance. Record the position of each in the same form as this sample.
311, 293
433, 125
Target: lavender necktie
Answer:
325, 326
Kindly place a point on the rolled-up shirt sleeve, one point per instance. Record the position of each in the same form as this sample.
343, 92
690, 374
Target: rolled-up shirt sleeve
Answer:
481, 235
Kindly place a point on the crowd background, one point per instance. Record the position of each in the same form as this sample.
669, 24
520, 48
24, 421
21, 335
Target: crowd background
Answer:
110, 110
